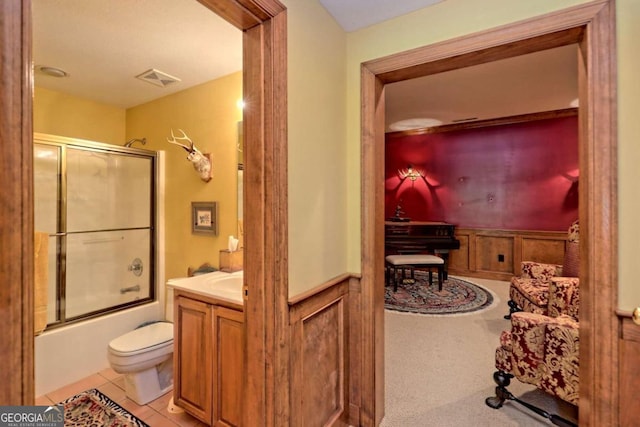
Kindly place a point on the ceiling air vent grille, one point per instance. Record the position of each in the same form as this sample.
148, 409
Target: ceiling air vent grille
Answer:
157, 78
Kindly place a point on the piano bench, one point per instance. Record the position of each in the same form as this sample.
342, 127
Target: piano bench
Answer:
413, 261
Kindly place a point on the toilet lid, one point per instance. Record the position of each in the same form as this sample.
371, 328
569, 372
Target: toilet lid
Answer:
143, 338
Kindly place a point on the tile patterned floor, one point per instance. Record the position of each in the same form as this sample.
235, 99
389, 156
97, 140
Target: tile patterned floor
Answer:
111, 384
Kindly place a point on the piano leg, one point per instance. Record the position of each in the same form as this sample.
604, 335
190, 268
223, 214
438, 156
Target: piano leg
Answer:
444, 254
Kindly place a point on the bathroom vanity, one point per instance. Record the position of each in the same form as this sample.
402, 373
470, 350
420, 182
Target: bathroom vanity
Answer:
208, 347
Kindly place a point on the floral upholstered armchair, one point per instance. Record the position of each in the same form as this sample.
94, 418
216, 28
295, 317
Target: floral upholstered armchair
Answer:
542, 350
530, 291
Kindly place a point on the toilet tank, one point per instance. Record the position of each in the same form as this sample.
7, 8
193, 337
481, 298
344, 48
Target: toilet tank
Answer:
168, 306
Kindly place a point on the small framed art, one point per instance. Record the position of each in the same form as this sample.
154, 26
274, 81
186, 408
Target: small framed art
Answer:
204, 218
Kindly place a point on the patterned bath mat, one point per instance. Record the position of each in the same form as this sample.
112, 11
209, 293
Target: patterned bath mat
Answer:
457, 296
92, 408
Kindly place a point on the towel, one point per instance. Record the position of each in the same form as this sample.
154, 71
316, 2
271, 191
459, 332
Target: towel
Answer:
41, 281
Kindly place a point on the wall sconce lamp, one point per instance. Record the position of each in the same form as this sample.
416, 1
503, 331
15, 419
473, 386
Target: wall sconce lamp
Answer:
410, 173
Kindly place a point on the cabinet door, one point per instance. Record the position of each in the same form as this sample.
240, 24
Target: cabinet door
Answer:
229, 366
192, 358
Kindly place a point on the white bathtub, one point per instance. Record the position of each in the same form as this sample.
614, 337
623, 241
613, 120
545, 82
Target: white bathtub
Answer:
70, 353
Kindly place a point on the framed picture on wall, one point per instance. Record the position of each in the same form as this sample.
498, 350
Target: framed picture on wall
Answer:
204, 218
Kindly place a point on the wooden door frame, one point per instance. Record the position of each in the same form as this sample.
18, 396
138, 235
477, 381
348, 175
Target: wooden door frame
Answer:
592, 26
16, 209
266, 223
266, 380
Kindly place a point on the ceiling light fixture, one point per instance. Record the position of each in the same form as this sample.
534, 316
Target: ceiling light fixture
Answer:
410, 172
416, 123
52, 71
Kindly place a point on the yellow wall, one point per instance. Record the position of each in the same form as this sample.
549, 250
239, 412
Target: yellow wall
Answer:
453, 18
60, 114
208, 114
317, 148
628, 16
324, 134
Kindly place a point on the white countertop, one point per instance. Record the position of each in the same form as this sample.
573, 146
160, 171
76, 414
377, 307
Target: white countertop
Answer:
219, 285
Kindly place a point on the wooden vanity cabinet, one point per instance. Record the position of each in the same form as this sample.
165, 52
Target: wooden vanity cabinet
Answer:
228, 367
192, 350
208, 359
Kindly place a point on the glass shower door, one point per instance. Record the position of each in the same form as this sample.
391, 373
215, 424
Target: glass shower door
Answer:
108, 257
96, 202
46, 215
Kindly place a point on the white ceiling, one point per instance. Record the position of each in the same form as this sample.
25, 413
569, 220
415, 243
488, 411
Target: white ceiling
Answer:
356, 14
540, 81
104, 44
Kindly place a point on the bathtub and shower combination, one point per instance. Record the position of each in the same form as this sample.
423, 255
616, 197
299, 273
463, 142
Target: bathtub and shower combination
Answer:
97, 203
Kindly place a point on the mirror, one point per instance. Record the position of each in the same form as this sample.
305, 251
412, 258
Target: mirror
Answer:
240, 185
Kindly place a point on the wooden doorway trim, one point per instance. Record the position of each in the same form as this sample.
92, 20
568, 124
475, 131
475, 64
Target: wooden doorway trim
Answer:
265, 62
266, 385
16, 208
592, 26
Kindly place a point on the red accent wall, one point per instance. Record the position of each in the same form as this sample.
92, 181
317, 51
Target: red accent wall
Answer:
516, 177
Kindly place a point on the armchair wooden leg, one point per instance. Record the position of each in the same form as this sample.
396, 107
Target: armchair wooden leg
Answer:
497, 401
503, 379
513, 308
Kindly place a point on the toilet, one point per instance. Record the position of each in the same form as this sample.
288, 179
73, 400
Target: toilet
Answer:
145, 357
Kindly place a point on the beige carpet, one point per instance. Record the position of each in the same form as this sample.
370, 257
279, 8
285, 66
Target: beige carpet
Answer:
439, 370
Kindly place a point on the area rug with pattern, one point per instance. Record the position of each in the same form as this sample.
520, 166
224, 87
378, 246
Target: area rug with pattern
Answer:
457, 296
92, 408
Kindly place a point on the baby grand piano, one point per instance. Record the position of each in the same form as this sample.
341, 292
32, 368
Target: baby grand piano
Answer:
414, 237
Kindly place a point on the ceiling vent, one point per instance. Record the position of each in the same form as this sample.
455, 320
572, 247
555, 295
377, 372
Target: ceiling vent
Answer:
157, 78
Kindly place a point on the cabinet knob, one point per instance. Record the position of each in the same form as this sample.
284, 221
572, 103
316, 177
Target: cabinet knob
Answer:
636, 316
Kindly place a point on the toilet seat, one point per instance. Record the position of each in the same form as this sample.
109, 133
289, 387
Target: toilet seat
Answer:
154, 336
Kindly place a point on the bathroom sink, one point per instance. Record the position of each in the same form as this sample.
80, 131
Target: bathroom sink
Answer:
230, 283
219, 285
229, 287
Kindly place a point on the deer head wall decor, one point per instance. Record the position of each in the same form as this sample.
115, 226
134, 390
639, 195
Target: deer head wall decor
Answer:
201, 162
